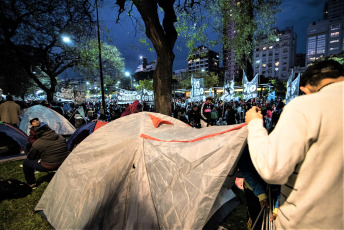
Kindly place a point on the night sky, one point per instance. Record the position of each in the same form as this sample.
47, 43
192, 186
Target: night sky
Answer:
294, 13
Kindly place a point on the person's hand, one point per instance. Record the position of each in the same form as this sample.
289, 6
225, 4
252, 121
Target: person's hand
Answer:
264, 203
253, 113
273, 217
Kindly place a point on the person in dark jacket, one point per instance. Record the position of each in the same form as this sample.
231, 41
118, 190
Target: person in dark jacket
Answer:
195, 117
206, 109
46, 154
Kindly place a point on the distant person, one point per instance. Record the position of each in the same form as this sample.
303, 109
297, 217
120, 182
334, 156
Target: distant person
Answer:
46, 154
206, 109
10, 111
304, 153
195, 117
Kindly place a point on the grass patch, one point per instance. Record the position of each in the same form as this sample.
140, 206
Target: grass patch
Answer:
237, 219
19, 213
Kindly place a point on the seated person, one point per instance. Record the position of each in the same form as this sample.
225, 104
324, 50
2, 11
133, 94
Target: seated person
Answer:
35, 124
46, 154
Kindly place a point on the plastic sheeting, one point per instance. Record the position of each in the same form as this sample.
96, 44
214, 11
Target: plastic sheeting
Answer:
116, 179
53, 119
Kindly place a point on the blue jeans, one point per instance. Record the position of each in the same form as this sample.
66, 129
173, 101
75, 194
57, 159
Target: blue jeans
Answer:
29, 167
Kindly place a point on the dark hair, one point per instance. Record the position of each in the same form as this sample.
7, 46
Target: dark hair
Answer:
321, 70
33, 119
9, 98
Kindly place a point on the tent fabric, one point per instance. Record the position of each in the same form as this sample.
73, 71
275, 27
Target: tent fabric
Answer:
16, 134
52, 118
81, 133
115, 179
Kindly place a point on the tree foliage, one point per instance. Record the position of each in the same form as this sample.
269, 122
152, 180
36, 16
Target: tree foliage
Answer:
251, 20
34, 31
194, 19
147, 84
112, 62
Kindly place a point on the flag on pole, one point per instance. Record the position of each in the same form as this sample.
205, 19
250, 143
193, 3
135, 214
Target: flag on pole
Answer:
228, 91
295, 88
272, 96
289, 83
250, 88
197, 90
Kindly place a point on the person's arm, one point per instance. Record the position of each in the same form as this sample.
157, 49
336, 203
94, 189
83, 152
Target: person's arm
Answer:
276, 156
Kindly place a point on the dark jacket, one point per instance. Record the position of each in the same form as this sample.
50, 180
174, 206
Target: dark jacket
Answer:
206, 111
195, 118
51, 148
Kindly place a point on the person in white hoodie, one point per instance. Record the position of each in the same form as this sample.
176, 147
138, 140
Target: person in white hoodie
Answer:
304, 153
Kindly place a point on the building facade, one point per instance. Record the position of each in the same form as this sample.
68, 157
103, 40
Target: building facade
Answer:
276, 59
230, 66
326, 37
203, 59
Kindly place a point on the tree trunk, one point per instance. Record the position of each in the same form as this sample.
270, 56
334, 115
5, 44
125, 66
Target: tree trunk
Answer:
163, 38
162, 82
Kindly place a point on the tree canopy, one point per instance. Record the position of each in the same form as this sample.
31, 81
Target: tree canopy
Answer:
44, 35
193, 19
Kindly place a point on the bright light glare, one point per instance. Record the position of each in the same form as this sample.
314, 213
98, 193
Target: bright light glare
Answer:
127, 74
66, 39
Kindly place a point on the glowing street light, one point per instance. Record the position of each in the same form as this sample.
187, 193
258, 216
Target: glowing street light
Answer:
127, 74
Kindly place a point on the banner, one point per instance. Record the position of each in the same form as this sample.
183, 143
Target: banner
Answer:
289, 82
129, 96
295, 88
272, 96
228, 91
66, 94
79, 97
197, 90
147, 96
250, 88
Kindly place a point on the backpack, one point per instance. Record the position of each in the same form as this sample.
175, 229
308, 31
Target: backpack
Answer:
12, 189
214, 115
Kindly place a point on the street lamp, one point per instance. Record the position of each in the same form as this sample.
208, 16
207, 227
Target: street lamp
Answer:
127, 74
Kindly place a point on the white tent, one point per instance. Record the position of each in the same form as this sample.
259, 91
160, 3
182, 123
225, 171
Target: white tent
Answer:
141, 172
52, 118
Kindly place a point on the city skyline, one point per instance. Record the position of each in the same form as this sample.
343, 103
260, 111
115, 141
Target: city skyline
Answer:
298, 14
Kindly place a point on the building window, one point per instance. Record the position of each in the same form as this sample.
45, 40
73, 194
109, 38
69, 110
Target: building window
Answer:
264, 65
334, 48
335, 27
335, 34
264, 48
334, 41
270, 47
311, 45
277, 64
321, 44
285, 50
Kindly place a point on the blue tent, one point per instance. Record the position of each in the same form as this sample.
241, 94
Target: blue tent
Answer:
15, 134
81, 133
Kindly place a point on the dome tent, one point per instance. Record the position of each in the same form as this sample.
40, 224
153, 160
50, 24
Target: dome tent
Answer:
53, 119
144, 171
11, 139
81, 133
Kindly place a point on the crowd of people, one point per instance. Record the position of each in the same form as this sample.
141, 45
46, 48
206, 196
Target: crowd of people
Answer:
303, 153
216, 112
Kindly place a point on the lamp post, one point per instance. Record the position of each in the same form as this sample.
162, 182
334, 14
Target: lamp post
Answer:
100, 62
127, 74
